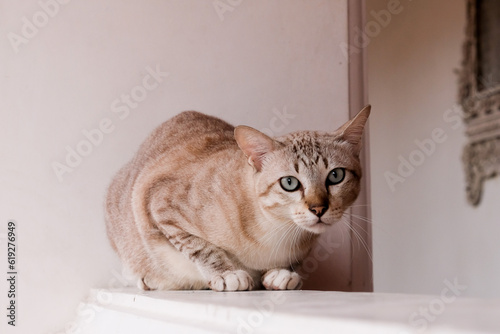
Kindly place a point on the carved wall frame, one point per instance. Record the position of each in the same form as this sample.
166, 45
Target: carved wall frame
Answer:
480, 100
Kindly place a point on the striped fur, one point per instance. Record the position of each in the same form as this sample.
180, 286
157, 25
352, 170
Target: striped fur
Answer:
200, 206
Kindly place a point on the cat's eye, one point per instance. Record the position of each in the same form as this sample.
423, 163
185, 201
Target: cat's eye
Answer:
289, 183
335, 176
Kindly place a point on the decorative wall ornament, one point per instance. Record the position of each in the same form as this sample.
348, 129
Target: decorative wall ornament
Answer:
479, 95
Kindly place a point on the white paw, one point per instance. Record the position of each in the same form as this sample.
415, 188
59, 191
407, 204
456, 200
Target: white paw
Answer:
236, 280
281, 279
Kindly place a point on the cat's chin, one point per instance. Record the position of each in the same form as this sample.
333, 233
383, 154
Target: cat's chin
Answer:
316, 227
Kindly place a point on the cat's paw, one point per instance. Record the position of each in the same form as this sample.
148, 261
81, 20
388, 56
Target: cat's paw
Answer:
281, 279
234, 280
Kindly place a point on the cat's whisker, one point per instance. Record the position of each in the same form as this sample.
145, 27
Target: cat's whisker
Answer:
345, 222
359, 226
288, 238
292, 243
338, 227
298, 233
273, 232
364, 243
270, 235
359, 238
295, 238
365, 219
360, 205
350, 216
280, 240
372, 223
352, 222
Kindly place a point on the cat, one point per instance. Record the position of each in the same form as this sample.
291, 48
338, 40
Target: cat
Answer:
204, 205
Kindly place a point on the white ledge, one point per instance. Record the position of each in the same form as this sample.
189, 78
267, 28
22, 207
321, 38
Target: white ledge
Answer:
193, 312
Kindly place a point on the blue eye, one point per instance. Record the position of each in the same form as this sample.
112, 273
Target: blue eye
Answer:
335, 176
289, 183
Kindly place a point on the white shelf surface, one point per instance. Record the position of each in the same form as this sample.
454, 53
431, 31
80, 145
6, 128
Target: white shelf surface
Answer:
203, 312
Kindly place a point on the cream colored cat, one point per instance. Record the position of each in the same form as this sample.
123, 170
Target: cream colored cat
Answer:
206, 205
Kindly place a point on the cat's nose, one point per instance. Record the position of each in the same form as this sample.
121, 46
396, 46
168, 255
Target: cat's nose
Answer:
318, 210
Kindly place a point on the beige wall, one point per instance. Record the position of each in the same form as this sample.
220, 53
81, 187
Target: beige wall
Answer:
424, 232
89, 65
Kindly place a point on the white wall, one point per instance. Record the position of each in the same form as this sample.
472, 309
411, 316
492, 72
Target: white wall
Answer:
424, 232
71, 73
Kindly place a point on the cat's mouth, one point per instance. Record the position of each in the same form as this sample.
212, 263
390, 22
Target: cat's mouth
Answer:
321, 222
318, 226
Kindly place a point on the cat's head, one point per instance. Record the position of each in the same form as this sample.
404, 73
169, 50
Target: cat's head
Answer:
307, 177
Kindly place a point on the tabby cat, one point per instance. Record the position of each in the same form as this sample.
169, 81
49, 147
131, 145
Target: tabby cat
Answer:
206, 205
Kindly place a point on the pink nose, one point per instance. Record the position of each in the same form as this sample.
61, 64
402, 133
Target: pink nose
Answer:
318, 210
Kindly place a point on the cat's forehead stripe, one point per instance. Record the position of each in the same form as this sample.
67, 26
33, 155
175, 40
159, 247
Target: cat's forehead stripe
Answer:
308, 150
325, 161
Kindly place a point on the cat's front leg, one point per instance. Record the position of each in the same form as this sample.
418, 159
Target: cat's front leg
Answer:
281, 279
213, 262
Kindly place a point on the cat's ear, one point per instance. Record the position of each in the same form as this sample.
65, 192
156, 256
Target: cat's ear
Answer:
254, 144
352, 131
